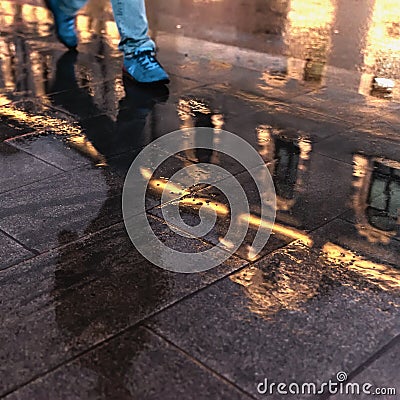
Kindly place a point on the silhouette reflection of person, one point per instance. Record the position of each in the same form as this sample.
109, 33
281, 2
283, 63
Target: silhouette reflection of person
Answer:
99, 294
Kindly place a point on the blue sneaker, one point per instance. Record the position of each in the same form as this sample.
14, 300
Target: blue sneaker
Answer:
65, 25
143, 67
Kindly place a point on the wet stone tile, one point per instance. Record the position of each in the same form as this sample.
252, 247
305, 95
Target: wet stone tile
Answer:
266, 320
33, 114
116, 370
354, 146
348, 105
382, 375
252, 71
278, 120
8, 132
11, 252
270, 81
82, 294
45, 214
359, 239
62, 151
182, 64
18, 168
307, 196
385, 125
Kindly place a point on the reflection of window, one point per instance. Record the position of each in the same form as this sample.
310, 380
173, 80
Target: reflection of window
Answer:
287, 155
384, 197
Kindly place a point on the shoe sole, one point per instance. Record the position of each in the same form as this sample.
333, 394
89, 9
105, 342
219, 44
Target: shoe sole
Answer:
131, 78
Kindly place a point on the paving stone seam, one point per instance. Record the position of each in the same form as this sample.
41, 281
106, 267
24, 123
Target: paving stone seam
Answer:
83, 165
349, 221
33, 182
104, 341
199, 363
31, 250
256, 98
63, 246
385, 349
102, 344
8, 141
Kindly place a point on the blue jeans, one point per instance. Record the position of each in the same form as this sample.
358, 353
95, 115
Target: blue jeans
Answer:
131, 19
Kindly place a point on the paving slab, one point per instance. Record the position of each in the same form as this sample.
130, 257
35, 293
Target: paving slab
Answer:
60, 304
116, 369
11, 252
382, 375
309, 193
44, 214
19, 168
295, 316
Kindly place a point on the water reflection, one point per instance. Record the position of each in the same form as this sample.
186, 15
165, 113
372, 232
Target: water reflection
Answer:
376, 199
296, 274
286, 40
300, 272
310, 41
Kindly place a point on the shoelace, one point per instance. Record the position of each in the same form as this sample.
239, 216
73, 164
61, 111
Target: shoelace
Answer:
147, 60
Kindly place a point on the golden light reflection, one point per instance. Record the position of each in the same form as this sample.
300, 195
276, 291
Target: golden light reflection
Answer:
295, 275
286, 231
254, 221
284, 287
70, 132
381, 275
308, 35
382, 50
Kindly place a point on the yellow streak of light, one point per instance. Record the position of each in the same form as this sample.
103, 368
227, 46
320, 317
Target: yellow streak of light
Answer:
73, 133
218, 208
221, 209
278, 228
386, 277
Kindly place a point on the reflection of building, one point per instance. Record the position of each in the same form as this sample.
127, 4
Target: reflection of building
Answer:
376, 200
252, 24
195, 113
290, 165
284, 285
382, 49
308, 36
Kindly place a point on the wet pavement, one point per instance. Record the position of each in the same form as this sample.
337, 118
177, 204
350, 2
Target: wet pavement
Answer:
313, 85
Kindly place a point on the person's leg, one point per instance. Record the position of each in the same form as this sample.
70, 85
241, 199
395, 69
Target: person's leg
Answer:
139, 50
71, 7
64, 12
130, 17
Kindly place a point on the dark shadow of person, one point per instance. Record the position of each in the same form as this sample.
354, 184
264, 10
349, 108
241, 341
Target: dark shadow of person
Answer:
102, 285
